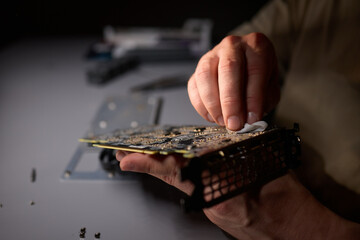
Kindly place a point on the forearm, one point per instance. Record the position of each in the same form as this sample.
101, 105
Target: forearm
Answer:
282, 209
314, 221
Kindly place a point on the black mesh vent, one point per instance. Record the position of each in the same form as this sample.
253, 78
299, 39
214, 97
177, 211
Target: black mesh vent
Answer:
234, 169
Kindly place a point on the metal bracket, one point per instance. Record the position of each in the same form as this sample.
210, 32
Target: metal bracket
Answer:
114, 113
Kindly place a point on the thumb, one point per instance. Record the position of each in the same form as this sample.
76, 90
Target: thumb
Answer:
166, 168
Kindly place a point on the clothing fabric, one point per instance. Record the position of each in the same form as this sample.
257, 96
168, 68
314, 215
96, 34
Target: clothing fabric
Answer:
317, 45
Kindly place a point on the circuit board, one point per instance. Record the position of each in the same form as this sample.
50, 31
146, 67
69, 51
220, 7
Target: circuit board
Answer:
190, 141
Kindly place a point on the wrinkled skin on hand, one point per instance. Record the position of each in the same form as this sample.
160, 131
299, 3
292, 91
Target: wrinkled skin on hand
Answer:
262, 213
236, 82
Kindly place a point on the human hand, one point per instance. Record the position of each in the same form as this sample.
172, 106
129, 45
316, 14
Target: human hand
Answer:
236, 82
279, 209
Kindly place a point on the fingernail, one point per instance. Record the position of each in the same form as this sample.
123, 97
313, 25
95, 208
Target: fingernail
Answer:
221, 120
252, 117
209, 117
119, 155
233, 123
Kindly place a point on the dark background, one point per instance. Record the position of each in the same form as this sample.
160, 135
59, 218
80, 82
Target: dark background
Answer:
33, 18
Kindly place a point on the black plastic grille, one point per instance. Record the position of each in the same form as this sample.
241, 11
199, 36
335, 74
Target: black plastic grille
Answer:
234, 169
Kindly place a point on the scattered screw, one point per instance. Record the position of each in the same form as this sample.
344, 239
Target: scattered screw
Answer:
97, 235
83, 230
82, 235
33, 175
67, 173
32, 203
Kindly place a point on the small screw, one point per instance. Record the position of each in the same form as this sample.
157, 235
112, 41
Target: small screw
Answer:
82, 235
32, 203
33, 175
67, 173
97, 235
83, 230
1, 205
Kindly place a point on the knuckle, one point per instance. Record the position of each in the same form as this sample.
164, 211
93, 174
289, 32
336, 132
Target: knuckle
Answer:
230, 101
228, 65
258, 41
252, 98
168, 179
171, 177
203, 70
191, 85
254, 102
196, 102
258, 38
231, 40
223, 209
255, 69
212, 105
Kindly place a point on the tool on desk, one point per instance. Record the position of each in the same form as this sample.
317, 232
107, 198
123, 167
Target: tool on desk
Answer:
163, 83
33, 175
151, 44
106, 70
123, 49
100, 51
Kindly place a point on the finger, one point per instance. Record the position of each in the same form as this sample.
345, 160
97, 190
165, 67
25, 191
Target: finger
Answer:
259, 57
196, 100
167, 168
231, 82
207, 85
120, 155
138, 162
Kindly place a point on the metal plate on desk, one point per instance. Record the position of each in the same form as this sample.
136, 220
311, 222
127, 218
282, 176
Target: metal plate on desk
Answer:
116, 112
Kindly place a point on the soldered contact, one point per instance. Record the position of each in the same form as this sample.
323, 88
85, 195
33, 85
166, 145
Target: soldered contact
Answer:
190, 141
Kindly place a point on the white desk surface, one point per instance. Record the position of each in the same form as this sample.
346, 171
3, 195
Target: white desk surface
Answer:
45, 105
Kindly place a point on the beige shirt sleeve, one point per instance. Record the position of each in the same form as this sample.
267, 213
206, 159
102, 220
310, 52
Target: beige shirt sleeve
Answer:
280, 23
317, 44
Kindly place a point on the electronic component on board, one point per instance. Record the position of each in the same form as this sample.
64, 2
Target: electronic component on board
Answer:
220, 163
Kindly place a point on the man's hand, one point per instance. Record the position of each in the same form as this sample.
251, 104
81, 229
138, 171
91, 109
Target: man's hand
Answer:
236, 82
166, 168
281, 209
